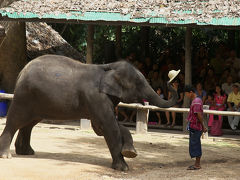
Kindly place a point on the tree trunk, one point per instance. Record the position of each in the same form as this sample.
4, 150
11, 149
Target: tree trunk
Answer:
90, 41
188, 70
119, 42
13, 55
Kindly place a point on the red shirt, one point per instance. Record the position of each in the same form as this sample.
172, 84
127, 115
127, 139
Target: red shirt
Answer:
196, 107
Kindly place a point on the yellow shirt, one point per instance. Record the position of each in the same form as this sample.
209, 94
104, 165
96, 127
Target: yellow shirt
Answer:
235, 98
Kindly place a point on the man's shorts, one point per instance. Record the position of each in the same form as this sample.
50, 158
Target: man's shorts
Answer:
195, 148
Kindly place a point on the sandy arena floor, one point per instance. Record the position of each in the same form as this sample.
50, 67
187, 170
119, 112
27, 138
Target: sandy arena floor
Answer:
65, 152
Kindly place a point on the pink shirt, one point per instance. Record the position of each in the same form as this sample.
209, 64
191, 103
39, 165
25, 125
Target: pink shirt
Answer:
196, 107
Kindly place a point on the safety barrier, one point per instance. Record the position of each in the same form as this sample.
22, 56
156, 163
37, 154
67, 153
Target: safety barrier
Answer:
143, 112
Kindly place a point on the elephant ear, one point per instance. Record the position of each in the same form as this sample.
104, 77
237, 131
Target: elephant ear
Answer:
110, 83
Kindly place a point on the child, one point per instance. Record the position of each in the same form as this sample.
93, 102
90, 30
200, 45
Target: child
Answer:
195, 127
210, 100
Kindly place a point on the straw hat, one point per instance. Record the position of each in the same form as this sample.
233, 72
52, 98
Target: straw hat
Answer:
172, 74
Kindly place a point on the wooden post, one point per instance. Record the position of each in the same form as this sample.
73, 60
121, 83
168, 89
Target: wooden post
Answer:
90, 39
205, 121
142, 120
188, 70
118, 42
85, 124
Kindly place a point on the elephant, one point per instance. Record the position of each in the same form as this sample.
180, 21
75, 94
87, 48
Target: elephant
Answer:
59, 88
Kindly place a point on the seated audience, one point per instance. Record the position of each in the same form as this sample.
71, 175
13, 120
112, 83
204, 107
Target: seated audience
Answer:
233, 63
160, 93
155, 67
215, 122
179, 103
210, 80
210, 101
224, 76
122, 112
218, 63
234, 105
227, 86
200, 92
156, 81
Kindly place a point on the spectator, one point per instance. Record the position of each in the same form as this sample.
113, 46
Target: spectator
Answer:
224, 76
210, 80
160, 93
179, 103
156, 81
141, 68
227, 86
147, 65
210, 101
200, 92
233, 63
202, 71
219, 104
181, 78
155, 67
131, 58
122, 112
234, 105
217, 63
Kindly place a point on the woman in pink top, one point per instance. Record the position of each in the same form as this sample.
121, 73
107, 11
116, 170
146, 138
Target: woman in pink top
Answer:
219, 104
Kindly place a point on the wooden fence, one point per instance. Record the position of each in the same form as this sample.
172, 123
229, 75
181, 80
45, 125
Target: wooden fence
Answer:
143, 112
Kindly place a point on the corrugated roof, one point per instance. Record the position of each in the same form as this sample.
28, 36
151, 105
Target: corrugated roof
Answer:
148, 12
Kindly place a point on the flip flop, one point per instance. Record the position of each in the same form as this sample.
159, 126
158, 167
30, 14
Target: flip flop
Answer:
193, 167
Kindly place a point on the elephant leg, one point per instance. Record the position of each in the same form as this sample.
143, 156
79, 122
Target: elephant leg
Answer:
12, 125
5, 141
18, 116
128, 149
97, 129
112, 135
22, 144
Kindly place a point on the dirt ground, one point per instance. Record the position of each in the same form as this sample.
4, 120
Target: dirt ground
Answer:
64, 152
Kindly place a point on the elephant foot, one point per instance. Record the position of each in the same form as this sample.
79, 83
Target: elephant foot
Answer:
120, 166
129, 151
24, 150
5, 155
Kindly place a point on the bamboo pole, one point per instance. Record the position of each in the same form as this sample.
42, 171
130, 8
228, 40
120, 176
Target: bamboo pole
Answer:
179, 110
152, 108
6, 96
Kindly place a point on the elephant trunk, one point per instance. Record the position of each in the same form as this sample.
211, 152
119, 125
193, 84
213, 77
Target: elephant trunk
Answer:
154, 98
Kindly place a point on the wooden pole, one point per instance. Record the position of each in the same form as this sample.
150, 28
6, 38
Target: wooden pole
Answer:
90, 40
118, 42
188, 70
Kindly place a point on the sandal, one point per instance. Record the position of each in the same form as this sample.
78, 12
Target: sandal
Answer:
172, 125
193, 167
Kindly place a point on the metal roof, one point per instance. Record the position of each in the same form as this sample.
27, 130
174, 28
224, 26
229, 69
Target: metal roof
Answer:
170, 14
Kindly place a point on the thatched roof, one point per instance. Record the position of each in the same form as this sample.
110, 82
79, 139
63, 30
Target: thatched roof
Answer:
173, 10
42, 39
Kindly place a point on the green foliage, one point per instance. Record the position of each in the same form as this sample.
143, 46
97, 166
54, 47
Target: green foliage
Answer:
160, 38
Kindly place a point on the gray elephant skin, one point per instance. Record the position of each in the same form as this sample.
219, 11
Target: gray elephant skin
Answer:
59, 88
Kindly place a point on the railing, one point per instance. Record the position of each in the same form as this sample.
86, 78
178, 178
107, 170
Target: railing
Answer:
6, 96
143, 111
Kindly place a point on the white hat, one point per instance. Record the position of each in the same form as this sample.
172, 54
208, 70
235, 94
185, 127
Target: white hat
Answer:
172, 74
